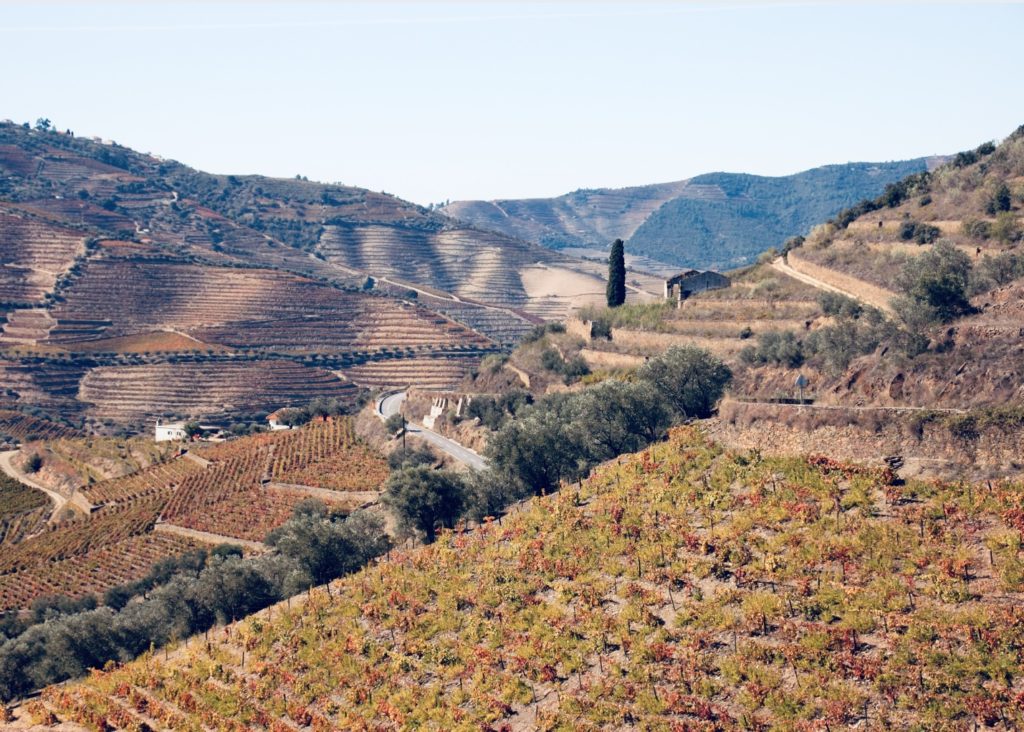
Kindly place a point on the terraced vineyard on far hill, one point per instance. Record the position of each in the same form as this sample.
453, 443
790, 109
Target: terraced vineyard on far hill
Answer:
24, 427
135, 393
473, 264
679, 588
35, 253
221, 265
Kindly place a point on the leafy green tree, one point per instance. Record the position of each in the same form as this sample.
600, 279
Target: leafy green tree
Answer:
424, 499
616, 290
690, 380
936, 283
327, 547
617, 417
538, 449
489, 493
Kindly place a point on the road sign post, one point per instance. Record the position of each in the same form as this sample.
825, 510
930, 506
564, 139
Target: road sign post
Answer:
801, 382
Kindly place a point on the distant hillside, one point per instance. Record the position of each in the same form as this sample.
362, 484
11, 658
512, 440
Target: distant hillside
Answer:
136, 288
719, 220
584, 218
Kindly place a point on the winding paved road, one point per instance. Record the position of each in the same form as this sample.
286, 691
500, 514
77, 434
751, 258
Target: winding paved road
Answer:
391, 404
7, 466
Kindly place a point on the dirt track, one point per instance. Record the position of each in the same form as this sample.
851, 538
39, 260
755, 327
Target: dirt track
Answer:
872, 298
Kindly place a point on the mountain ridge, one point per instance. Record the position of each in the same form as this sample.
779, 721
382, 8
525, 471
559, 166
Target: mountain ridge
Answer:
654, 218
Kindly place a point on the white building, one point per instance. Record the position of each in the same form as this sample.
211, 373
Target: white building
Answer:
274, 420
170, 431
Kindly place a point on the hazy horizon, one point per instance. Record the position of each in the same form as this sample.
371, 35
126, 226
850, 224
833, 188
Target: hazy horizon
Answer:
435, 101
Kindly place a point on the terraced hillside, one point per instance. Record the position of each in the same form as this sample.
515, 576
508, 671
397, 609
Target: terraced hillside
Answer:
135, 393
759, 301
684, 587
243, 308
330, 233
713, 221
26, 428
85, 556
35, 254
974, 202
432, 373
23, 510
970, 356
210, 267
236, 492
39, 382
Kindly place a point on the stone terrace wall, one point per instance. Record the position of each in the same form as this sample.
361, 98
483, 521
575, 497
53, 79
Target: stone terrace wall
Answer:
929, 449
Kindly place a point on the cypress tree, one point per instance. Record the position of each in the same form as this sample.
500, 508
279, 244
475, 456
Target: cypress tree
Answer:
616, 291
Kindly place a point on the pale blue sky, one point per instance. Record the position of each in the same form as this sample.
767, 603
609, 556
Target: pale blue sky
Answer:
483, 100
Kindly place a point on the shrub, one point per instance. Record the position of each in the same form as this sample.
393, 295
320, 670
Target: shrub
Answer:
976, 228
838, 305
34, 464
540, 331
601, 328
551, 361
921, 233
1006, 229
574, 369
493, 362
996, 270
999, 201
394, 423
963, 159
936, 282
780, 348
793, 242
